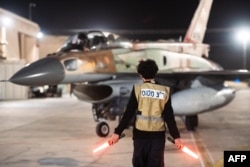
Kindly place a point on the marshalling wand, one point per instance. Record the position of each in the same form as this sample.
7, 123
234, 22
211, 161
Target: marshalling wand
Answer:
185, 149
105, 145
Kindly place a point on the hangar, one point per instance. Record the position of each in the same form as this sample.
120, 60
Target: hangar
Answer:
18, 46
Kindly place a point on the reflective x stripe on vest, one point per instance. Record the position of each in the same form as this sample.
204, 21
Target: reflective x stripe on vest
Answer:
151, 101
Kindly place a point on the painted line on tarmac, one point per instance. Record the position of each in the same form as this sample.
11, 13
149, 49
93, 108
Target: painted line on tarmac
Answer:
220, 162
205, 156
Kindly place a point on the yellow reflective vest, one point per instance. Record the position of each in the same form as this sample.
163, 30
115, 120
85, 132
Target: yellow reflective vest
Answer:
151, 102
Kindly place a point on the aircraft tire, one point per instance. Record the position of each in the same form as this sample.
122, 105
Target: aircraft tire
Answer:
196, 120
102, 129
191, 122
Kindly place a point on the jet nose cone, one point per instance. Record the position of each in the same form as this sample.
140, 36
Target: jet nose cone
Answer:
47, 71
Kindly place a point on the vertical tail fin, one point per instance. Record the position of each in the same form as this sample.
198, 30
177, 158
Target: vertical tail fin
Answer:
198, 26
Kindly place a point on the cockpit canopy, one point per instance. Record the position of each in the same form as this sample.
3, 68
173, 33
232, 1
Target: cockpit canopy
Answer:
90, 40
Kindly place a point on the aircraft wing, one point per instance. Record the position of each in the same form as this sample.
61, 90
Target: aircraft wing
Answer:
241, 75
222, 75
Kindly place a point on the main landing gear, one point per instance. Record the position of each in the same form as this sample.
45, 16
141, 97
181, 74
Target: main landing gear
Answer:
191, 122
102, 129
111, 110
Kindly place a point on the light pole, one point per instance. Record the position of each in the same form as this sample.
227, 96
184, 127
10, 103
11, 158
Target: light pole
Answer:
244, 35
31, 5
245, 54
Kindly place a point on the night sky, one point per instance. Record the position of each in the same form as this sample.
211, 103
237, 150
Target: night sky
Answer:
63, 17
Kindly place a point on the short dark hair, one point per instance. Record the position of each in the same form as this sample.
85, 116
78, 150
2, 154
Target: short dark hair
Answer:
147, 68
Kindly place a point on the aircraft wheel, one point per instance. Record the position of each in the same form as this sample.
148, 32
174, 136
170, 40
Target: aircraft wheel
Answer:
195, 120
191, 122
102, 129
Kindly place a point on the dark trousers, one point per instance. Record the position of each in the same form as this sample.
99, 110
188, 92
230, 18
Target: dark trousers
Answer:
148, 153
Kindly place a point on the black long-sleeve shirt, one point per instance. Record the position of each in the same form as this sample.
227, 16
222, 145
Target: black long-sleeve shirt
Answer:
130, 112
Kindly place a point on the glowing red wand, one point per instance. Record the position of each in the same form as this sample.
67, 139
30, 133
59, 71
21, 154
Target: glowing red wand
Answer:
185, 149
105, 145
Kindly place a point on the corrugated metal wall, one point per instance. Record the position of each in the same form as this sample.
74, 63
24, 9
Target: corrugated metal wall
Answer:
10, 91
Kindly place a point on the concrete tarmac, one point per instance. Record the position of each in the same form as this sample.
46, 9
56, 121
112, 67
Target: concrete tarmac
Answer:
52, 132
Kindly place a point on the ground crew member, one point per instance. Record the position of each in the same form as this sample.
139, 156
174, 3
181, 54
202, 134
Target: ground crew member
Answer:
150, 103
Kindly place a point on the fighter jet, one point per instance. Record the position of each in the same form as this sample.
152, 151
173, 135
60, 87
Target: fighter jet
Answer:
105, 72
